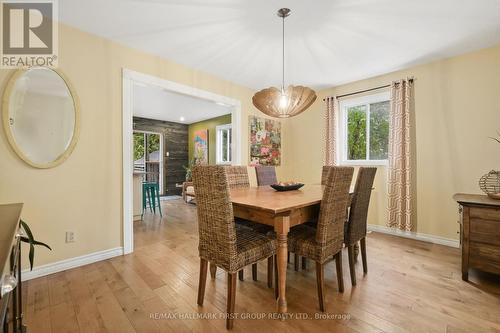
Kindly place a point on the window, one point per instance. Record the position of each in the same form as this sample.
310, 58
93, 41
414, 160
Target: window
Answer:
148, 156
364, 130
223, 144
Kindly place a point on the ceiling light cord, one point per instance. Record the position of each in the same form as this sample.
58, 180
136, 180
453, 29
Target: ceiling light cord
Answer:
283, 59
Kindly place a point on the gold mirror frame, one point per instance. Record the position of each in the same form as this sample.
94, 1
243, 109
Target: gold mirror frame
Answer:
6, 125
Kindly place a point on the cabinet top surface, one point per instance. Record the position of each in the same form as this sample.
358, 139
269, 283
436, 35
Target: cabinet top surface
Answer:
476, 199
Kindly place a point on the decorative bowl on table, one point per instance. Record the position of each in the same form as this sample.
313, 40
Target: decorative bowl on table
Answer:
286, 186
490, 184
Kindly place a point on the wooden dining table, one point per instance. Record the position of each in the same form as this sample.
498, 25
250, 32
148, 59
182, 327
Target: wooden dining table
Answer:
282, 210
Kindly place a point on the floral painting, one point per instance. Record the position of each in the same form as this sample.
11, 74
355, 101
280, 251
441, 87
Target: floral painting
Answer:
201, 146
265, 141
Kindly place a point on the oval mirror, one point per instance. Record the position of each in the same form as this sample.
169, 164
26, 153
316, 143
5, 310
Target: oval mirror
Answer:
40, 116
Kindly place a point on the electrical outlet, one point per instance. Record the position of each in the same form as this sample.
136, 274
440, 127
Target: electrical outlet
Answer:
70, 237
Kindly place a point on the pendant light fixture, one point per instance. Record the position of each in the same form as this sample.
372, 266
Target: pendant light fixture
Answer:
284, 102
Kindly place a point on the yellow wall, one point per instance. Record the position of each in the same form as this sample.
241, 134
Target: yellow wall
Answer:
209, 124
84, 194
457, 106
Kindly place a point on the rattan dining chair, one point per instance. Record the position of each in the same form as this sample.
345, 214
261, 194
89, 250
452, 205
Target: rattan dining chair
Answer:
355, 230
222, 242
324, 243
266, 175
237, 177
324, 177
324, 174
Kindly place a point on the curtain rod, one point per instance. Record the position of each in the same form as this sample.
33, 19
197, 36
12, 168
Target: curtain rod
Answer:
366, 90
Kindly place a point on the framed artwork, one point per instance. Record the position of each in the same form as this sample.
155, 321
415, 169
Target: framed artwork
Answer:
201, 146
265, 141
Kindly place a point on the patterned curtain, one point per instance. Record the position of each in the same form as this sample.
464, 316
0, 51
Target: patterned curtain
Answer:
400, 156
331, 116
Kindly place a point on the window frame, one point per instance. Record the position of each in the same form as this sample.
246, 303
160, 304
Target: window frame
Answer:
218, 144
161, 161
342, 142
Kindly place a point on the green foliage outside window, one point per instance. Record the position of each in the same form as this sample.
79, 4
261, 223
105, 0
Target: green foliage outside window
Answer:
138, 146
357, 131
379, 130
153, 143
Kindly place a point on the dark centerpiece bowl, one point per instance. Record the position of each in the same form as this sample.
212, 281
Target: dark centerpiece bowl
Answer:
282, 188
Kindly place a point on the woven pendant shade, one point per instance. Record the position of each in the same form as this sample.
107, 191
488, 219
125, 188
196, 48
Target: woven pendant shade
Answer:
284, 103
299, 99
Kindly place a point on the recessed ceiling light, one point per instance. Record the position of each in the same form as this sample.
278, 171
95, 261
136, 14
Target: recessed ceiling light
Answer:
182, 119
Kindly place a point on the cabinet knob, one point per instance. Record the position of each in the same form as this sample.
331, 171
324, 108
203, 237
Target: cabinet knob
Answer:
20, 233
9, 282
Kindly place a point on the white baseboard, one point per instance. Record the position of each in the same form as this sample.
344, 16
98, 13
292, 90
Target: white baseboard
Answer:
414, 235
63, 265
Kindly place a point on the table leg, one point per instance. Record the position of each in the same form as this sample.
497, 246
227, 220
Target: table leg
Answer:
282, 226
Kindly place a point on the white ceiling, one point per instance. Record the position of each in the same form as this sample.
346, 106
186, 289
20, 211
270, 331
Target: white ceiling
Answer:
156, 103
329, 42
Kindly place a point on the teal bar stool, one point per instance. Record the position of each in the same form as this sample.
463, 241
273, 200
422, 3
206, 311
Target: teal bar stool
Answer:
151, 197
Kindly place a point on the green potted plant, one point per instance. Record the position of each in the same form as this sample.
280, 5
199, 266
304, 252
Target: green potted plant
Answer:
189, 168
496, 139
29, 239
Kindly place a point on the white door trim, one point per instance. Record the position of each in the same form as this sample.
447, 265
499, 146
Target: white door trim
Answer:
128, 79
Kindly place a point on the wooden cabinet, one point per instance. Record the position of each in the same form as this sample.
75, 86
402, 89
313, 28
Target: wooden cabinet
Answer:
11, 306
479, 233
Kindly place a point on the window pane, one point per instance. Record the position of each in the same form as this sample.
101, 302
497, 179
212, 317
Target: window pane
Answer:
379, 130
230, 133
356, 132
224, 146
139, 151
153, 147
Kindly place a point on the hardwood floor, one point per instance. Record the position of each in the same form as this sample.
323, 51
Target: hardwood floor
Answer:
411, 286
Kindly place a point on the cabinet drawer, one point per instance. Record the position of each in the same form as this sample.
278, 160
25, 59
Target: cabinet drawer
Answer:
485, 213
485, 231
485, 257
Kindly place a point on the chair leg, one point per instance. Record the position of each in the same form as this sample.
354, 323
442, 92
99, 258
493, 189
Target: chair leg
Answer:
153, 197
254, 272
270, 274
352, 269
157, 190
340, 274
296, 262
143, 202
363, 255
240, 275
276, 290
231, 293
148, 195
203, 281
213, 270
320, 281
304, 263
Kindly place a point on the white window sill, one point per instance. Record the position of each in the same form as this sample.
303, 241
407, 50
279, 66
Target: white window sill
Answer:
364, 163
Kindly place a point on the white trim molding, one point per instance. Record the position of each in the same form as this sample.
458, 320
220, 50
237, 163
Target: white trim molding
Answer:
415, 235
66, 264
129, 77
